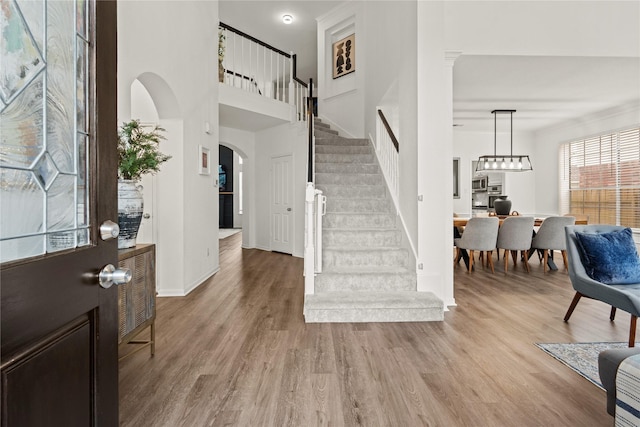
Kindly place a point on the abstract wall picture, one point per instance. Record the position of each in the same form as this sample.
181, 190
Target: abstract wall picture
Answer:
344, 56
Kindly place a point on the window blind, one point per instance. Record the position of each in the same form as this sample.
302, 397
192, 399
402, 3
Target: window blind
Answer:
600, 177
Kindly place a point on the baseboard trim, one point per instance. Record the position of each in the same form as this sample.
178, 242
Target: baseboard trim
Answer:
184, 292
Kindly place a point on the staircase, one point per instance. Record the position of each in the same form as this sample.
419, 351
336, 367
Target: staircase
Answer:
366, 273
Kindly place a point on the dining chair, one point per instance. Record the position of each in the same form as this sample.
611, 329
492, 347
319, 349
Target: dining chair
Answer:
550, 237
515, 235
480, 234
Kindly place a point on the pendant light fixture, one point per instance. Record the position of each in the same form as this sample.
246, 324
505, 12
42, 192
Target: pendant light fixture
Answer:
503, 162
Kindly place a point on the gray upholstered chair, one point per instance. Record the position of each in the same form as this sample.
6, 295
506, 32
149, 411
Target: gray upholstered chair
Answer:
515, 235
550, 237
625, 297
480, 234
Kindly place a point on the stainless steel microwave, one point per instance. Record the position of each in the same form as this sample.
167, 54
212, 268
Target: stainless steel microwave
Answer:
480, 183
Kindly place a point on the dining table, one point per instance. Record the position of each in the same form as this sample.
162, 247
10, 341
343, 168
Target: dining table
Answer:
462, 221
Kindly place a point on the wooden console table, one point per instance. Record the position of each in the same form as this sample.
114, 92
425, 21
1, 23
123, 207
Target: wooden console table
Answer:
137, 299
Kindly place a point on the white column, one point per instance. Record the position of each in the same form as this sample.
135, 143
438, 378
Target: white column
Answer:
434, 157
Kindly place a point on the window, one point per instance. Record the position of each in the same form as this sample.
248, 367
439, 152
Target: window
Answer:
600, 177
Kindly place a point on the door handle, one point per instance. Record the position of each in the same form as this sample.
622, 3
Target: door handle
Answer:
146, 216
288, 209
109, 275
109, 230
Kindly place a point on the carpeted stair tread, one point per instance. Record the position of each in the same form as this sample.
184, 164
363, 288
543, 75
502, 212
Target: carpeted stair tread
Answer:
373, 307
361, 270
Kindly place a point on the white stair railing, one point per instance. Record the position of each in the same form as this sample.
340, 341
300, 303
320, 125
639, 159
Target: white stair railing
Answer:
387, 148
315, 208
254, 66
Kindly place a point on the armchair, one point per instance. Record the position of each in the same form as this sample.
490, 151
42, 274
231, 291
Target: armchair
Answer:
623, 296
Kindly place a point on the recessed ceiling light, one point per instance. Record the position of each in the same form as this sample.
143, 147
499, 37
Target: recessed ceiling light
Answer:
287, 19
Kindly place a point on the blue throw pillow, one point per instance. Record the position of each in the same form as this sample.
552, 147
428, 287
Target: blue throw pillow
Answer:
610, 258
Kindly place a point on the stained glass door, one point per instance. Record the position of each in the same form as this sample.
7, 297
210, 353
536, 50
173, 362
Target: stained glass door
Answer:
57, 184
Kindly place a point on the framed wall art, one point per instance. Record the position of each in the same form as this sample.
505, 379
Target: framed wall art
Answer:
344, 56
204, 161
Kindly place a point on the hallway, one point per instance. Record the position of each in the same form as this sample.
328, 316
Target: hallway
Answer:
236, 351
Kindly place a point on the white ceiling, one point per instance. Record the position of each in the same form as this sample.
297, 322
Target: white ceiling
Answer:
544, 90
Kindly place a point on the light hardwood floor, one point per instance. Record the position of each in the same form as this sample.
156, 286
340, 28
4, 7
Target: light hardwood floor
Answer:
236, 351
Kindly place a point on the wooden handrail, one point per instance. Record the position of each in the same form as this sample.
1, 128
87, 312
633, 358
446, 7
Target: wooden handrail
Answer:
310, 124
295, 70
242, 76
389, 131
253, 39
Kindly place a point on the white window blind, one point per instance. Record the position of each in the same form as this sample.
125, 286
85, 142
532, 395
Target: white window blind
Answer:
600, 177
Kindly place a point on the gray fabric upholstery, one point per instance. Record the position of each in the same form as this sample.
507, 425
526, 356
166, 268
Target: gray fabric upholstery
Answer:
551, 233
480, 234
624, 297
608, 362
515, 233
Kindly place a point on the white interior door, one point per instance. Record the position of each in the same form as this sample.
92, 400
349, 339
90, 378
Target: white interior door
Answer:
147, 231
282, 204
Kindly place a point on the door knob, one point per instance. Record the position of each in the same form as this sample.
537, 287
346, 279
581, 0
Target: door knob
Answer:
109, 275
146, 216
109, 230
288, 209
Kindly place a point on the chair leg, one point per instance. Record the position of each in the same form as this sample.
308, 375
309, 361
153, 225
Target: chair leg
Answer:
612, 315
525, 259
471, 256
505, 257
546, 259
632, 331
458, 256
514, 257
564, 258
572, 307
490, 262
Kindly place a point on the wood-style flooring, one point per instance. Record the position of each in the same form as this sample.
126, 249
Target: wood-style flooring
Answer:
236, 351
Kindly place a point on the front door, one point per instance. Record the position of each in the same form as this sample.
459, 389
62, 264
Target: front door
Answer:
282, 204
58, 166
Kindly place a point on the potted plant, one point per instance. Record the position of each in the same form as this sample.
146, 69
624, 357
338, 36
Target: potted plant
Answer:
138, 155
221, 39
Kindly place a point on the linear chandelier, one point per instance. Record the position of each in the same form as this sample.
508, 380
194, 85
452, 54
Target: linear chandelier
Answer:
503, 162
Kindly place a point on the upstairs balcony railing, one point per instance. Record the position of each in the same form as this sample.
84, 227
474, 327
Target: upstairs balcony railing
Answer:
252, 65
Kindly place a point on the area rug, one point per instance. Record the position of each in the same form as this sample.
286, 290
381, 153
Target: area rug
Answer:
581, 357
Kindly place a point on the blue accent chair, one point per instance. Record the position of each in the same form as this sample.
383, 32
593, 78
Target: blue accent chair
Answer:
625, 297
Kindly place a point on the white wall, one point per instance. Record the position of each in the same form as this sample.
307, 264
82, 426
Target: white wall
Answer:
390, 83
190, 243
341, 100
519, 186
279, 141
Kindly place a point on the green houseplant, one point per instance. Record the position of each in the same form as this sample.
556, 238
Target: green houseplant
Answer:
138, 155
138, 151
